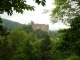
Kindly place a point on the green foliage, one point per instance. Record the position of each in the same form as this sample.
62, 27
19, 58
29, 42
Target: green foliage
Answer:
17, 38
68, 12
70, 40
45, 48
40, 34
56, 54
41, 2
28, 49
5, 49
11, 46
37, 50
27, 28
54, 34
73, 57
65, 10
18, 35
23, 47
10, 25
32, 37
3, 30
17, 5
0, 46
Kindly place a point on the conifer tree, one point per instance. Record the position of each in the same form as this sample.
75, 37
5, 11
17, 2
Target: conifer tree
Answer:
45, 48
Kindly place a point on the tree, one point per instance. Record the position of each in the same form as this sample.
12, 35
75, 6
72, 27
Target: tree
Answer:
73, 57
19, 6
54, 34
37, 50
28, 50
72, 35
40, 34
70, 41
27, 28
0, 46
9, 6
32, 37
45, 48
17, 37
65, 10
6, 49
57, 49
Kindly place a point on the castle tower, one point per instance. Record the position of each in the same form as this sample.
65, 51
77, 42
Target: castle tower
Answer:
32, 22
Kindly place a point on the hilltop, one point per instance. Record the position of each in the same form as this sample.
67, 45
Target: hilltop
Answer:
10, 24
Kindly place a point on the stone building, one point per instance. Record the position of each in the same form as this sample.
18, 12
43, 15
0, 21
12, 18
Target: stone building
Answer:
42, 27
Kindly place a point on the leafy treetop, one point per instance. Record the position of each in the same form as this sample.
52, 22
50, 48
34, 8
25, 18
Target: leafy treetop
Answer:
65, 10
17, 5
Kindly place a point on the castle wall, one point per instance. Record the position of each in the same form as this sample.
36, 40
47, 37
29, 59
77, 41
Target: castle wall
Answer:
42, 27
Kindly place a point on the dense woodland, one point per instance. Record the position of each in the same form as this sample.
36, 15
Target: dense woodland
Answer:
23, 43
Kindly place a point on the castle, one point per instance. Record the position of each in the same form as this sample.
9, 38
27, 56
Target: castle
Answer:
42, 27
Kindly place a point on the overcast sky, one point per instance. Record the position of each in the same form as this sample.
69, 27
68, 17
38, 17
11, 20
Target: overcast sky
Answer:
35, 16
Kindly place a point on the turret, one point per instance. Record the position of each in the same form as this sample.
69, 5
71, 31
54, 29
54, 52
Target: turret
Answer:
32, 22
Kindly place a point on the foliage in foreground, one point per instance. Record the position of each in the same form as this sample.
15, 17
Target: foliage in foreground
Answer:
22, 46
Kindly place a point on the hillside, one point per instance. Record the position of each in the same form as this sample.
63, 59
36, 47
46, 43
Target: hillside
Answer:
10, 24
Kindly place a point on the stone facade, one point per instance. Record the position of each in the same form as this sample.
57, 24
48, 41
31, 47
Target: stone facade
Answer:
42, 27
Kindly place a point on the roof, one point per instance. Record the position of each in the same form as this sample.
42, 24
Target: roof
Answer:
39, 25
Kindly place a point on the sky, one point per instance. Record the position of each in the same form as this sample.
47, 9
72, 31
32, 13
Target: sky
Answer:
37, 16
